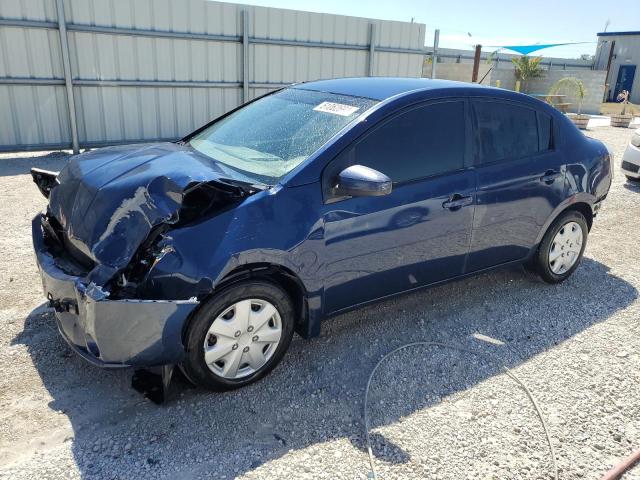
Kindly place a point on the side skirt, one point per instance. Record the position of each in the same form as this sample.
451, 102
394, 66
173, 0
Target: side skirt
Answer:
430, 285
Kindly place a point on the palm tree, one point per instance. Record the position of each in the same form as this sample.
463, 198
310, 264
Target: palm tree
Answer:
573, 83
527, 68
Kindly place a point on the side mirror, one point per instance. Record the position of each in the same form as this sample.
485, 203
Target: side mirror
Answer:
361, 181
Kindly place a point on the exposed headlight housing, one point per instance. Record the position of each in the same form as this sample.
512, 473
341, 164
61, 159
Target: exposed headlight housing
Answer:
635, 139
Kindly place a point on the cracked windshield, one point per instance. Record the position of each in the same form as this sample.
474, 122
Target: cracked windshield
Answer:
270, 137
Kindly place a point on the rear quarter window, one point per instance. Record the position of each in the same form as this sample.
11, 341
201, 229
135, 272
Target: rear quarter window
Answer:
545, 132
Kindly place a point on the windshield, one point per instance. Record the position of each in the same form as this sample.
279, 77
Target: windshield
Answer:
270, 137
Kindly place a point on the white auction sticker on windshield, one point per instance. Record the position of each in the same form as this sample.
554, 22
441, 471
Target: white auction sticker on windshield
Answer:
336, 108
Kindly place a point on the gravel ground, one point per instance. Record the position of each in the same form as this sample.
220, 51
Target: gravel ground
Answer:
435, 413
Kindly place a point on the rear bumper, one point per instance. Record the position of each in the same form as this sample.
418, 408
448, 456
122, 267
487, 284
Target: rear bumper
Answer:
110, 333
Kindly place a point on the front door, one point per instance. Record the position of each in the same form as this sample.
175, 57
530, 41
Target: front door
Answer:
418, 234
520, 181
626, 73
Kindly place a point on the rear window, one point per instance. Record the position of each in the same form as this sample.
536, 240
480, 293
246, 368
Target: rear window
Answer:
506, 131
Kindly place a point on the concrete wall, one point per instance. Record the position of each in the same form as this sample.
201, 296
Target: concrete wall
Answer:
593, 81
460, 72
506, 76
626, 52
502, 59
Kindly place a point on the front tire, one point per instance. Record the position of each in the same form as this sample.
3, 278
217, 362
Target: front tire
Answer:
239, 335
561, 249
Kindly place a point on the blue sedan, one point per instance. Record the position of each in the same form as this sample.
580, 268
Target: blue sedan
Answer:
210, 252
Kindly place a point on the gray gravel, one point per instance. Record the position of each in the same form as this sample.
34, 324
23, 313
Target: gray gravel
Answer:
435, 413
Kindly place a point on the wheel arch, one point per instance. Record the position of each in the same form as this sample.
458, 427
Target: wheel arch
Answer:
281, 276
580, 203
582, 207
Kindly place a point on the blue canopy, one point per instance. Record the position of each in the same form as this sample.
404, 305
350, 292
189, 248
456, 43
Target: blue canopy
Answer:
527, 49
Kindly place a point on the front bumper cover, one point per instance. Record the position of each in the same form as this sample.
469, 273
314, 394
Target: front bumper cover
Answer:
631, 161
111, 333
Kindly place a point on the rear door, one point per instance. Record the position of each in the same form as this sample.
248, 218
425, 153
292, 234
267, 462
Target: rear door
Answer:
520, 180
418, 234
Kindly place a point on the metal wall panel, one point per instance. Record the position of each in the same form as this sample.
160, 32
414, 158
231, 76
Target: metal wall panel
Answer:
112, 114
275, 23
30, 52
287, 64
157, 69
33, 114
194, 16
398, 64
102, 56
258, 92
400, 34
43, 10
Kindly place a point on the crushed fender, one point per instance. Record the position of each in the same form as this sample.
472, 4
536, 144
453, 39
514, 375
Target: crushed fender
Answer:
108, 203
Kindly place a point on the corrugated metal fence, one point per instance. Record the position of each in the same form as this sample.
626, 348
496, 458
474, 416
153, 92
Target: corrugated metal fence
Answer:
119, 71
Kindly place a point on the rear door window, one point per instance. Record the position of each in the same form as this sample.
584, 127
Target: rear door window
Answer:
505, 131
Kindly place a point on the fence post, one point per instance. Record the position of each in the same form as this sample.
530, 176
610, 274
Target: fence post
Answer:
245, 56
476, 63
68, 81
434, 55
372, 48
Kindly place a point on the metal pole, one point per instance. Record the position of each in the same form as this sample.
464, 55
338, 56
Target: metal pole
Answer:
68, 81
434, 55
476, 64
606, 78
245, 56
372, 48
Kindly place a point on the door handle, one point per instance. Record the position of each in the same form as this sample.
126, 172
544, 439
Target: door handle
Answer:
457, 201
549, 176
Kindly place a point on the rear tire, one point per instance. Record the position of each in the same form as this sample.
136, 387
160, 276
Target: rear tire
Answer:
561, 249
239, 335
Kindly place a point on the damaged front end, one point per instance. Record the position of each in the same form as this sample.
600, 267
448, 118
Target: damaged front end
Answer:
108, 222
104, 331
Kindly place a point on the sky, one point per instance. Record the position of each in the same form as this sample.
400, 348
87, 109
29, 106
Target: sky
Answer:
464, 23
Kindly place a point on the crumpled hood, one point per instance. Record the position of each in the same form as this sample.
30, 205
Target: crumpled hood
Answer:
108, 200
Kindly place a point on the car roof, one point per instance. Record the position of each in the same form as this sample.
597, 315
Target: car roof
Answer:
381, 88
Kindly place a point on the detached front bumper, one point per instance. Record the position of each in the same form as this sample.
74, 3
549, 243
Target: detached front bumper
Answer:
110, 333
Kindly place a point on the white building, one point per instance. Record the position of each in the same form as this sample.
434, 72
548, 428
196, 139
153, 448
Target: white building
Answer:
620, 51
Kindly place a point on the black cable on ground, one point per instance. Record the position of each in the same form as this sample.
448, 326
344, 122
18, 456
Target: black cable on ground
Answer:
486, 356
